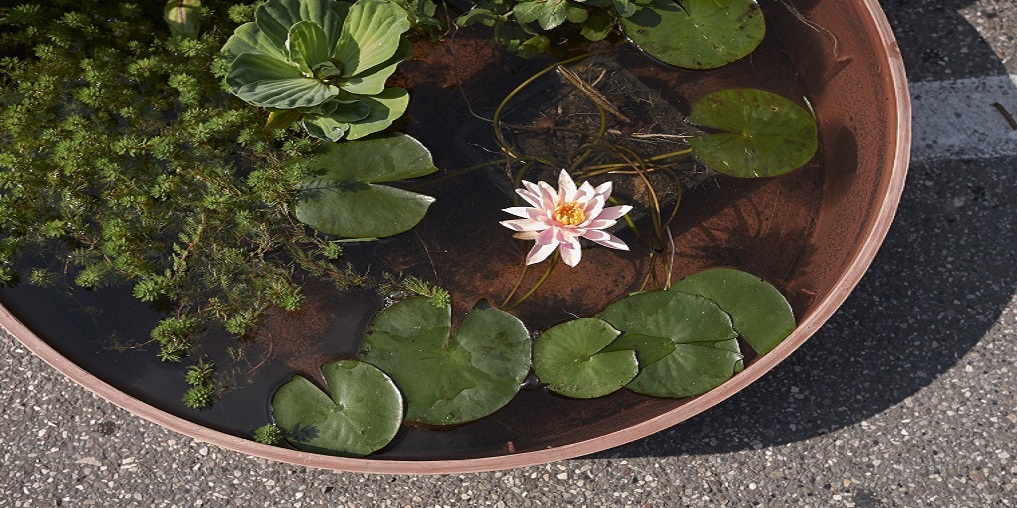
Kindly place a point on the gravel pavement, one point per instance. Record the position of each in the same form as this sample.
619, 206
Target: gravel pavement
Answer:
907, 397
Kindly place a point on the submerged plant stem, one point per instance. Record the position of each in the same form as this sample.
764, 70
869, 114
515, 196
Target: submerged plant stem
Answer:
496, 118
540, 282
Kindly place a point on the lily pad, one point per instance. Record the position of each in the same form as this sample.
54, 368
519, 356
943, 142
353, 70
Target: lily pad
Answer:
569, 358
696, 34
759, 134
761, 314
343, 197
648, 349
360, 414
706, 349
449, 380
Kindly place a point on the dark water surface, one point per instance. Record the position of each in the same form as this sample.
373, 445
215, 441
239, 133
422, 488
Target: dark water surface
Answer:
759, 226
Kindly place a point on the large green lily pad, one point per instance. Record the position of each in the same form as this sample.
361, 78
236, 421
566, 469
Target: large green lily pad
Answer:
761, 314
706, 351
569, 358
343, 197
360, 414
760, 134
448, 380
697, 34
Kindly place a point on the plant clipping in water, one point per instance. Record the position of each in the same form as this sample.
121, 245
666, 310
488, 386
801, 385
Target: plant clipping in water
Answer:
323, 61
558, 219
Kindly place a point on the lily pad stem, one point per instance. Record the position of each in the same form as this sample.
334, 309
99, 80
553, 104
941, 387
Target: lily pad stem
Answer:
540, 282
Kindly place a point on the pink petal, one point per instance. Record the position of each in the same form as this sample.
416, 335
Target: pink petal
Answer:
543, 248
524, 225
606, 239
565, 235
604, 189
571, 252
526, 235
566, 187
585, 193
614, 212
600, 224
593, 208
519, 211
548, 196
530, 197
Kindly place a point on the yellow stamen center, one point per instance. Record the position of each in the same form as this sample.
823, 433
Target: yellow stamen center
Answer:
569, 214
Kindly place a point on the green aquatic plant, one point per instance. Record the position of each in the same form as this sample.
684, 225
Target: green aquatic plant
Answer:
269, 434
123, 162
359, 414
448, 377
343, 196
525, 26
323, 62
696, 34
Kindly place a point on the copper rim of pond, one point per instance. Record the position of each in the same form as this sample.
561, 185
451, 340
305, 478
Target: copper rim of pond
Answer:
855, 75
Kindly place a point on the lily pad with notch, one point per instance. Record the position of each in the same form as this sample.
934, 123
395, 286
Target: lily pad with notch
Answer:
756, 133
360, 414
761, 314
449, 379
570, 358
696, 34
705, 354
343, 198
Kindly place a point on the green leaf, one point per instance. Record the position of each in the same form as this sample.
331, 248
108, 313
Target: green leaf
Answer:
346, 111
549, 14
386, 107
343, 197
324, 127
761, 314
267, 82
625, 8
761, 134
183, 17
478, 15
307, 44
275, 18
698, 34
248, 38
371, 35
705, 345
598, 26
360, 414
569, 358
372, 81
449, 380
648, 349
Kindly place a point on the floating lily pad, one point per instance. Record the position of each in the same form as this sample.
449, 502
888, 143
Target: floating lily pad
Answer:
648, 349
696, 34
569, 358
706, 349
760, 134
761, 314
343, 198
449, 380
360, 414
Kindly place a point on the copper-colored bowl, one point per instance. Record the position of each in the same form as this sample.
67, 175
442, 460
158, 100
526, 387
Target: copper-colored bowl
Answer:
854, 77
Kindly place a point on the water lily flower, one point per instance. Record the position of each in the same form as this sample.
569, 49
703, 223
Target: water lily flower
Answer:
558, 219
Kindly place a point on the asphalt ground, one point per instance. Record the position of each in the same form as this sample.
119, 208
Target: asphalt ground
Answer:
905, 398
